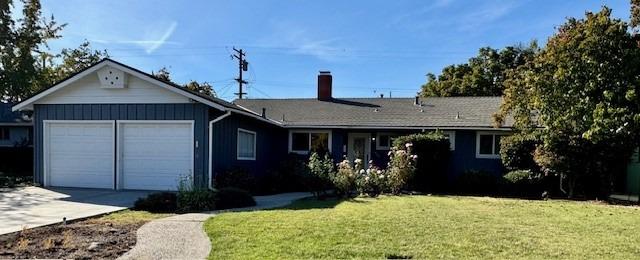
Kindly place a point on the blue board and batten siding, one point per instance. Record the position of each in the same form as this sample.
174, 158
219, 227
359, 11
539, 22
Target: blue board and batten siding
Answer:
271, 145
463, 157
197, 112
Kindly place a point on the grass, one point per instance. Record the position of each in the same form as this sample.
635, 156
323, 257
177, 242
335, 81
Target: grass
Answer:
131, 216
429, 227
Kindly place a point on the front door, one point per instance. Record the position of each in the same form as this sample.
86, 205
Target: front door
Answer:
359, 147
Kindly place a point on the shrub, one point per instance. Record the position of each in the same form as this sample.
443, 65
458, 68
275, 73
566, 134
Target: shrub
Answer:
401, 167
344, 180
235, 177
433, 153
477, 182
321, 170
519, 176
516, 152
230, 197
193, 199
196, 200
522, 183
161, 202
288, 176
372, 181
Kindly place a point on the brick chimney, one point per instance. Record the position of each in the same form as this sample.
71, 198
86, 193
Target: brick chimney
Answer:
324, 85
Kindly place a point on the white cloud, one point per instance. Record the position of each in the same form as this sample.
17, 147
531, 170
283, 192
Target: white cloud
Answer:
154, 39
297, 40
154, 44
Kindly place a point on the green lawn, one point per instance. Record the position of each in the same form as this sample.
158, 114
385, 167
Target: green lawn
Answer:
429, 227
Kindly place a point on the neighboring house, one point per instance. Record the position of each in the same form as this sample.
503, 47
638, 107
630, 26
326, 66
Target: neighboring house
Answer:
15, 127
112, 126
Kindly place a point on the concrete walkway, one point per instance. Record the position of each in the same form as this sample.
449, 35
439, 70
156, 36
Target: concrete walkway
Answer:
30, 207
183, 236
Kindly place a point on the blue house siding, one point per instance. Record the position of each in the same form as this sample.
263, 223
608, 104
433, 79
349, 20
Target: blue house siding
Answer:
192, 111
463, 157
18, 135
271, 145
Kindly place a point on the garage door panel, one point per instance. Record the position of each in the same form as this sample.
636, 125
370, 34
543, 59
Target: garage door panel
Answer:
155, 156
80, 154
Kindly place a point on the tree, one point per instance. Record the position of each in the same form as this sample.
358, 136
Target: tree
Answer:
163, 74
635, 14
483, 75
74, 60
19, 69
583, 88
205, 88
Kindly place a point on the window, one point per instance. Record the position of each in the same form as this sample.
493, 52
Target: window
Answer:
300, 141
383, 141
451, 136
246, 144
303, 142
4, 133
488, 145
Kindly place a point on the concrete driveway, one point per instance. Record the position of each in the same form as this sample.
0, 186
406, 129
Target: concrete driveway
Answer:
32, 206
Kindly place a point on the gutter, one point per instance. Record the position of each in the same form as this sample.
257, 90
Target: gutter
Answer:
217, 119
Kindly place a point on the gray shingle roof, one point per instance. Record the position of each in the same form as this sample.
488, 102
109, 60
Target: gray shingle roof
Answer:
9, 117
441, 112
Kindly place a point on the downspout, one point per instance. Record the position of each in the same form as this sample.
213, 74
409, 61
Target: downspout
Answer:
211, 146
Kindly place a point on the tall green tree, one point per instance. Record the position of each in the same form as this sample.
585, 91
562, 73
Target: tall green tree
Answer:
483, 75
583, 87
21, 45
74, 60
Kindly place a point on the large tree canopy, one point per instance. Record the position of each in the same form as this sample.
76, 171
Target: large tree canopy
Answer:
26, 63
483, 75
20, 44
583, 87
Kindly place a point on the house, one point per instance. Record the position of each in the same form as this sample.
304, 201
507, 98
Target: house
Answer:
15, 127
115, 127
16, 151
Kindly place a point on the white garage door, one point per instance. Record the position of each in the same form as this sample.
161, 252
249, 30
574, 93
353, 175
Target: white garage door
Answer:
155, 155
79, 154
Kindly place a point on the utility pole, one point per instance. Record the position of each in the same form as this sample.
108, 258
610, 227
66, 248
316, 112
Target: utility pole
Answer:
243, 65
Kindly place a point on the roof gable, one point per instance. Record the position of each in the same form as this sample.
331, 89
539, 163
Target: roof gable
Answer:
86, 85
89, 90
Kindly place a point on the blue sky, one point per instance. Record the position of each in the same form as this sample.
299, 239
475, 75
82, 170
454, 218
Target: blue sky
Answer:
370, 47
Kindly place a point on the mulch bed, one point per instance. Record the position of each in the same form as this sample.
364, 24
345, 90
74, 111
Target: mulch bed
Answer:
88, 239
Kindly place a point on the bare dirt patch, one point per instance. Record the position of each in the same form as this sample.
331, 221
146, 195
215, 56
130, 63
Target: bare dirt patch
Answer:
93, 238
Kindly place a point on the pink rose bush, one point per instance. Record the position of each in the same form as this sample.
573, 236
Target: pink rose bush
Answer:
372, 180
401, 168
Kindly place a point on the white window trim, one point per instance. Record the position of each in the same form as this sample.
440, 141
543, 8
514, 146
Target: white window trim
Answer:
291, 132
452, 139
487, 156
382, 147
255, 142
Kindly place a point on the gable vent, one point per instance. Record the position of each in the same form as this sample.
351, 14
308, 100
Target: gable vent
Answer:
111, 78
